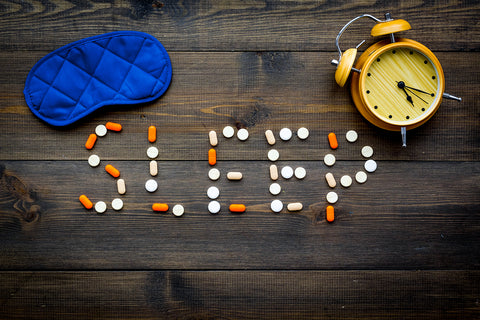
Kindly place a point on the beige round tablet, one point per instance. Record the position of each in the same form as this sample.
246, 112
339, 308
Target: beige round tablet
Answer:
214, 174
361, 177
152, 152
178, 210
242, 134
346, 181
367, 151
351, 136
303, 133
275, 189
370, 165
94, 160
117, 204
228, 132
100, 207
101, 130
332, 197
276, 206
329, 159
273, 155
300, 173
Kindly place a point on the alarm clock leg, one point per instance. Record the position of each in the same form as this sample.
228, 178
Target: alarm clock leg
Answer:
449, 96
403, 132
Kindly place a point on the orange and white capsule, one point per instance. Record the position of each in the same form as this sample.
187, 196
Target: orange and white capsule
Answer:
86, 202
152, 134
332, 140
237, 208
92, 138
212, 157
160, 207
112, 171
330, 214
113, 126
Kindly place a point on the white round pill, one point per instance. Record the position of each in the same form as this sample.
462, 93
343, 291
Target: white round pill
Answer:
152, 152
287, 172
351, 136
101, 130
228, 132
117, 204
346, 181
361, 177
275, 189
151, 185
214, 207
329, 159
273, 155
214, 174
285, 134
370, 165
276, 206
213, 192
100, 207
367, 151
178, 210
94, 160
332, 197
303, 133
300, 173
242, 134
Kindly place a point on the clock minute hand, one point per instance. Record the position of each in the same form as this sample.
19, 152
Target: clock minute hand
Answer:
411, 88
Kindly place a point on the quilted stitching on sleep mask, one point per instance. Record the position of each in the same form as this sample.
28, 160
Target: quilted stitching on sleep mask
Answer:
123, 67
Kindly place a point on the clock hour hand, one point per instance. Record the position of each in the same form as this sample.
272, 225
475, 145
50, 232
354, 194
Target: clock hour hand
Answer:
401, 85
416, 95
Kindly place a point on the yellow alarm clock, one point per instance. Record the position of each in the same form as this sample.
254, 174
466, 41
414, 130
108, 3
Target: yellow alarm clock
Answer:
397, 83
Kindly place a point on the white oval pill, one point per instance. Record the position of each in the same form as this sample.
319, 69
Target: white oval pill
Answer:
361, 177
287, 172
242, 134
117, 204
214, 174
273, 155
294, 206
153, 168
332, 197
234, 175
329, 159
351, 136
178, 210
273, 172
300, 173
101, 130
228, 132
303, 133
94, 160
152, 152
213, 192
151, 185
276, 206
330, 180
214, 207
100, 207
270, 137
346, 181
285, 134
275, 189
370, 165
121, 186
212, 137
367, 151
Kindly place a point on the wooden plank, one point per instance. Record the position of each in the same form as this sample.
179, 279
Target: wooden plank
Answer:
234, 25
258, 91
241, 295
408, 215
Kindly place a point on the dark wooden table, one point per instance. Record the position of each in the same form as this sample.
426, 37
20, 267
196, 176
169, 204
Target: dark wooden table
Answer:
404, 245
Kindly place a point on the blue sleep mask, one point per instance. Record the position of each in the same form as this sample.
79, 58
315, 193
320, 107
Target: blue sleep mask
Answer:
123, 67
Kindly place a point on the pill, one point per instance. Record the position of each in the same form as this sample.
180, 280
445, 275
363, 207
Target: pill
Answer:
329, 160
300, 173
113, 126
160, 207
178, 210
117, 204
234, 175
370, 165
270, 137
92, 138
238, 208
212, 156
101, 130
273, 155
212, 136
153, 168
100, 207
121, 186
287, 172
214, 207
242, 134
276, 206
351, 136
332, 197
275, 188
152, 152
151, 185
214, 174
303, 133
112, 171
94, 160
346, 181
332, 140
213, 192
152, 134
85, 201
330, 180
273, 172
361, 177
367, 151
228, 132
294, 206
285, 134
330, 214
